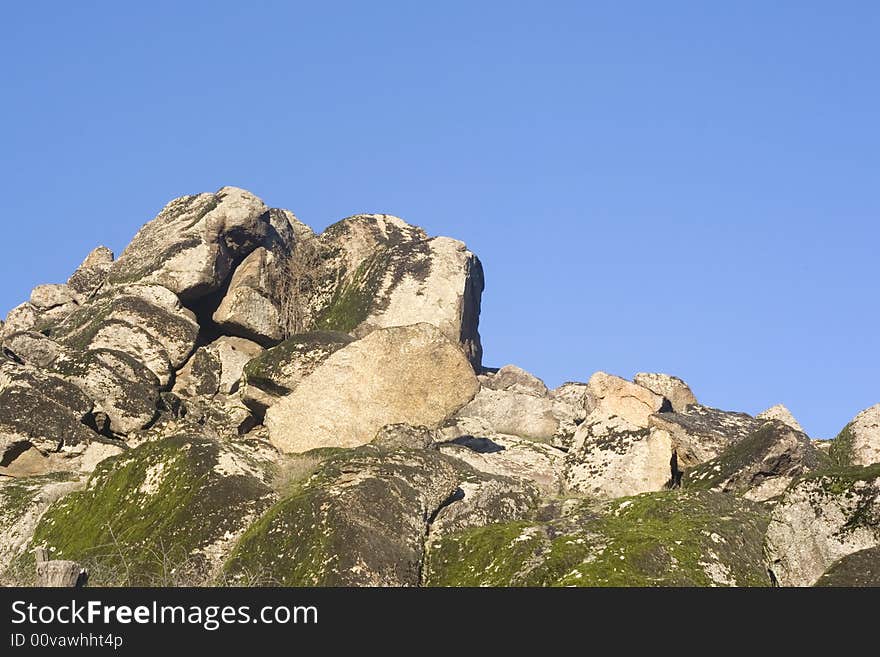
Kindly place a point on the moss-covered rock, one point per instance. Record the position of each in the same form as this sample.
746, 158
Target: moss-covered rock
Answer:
672, 538
360, 520
760, 466
860, 568
825, 516
177, 503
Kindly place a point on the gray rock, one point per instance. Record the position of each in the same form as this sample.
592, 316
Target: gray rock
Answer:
423, 380
249, 308
92, 273
46, 297
761, 466
821, 519
859, 442
216, 368
515, 379
511, 413
860, 568
277, 371
676, 391
360, 520
781, 413
614, 453
193, 244
32, 348
21, 318
703, 433
393, 437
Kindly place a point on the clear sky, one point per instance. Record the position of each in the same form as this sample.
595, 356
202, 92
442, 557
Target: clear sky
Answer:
687, 187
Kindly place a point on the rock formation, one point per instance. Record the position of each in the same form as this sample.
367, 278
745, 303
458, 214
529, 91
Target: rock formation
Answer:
238, 400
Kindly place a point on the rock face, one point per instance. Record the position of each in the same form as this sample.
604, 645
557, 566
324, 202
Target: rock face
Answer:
703, 433
661, 539
425, 378
194, 243
859, 442
761, 466
248, 308
860, 568
676, 391
183, 501
92, 273
614, 453
781, 413
277, 371
360, 521
826, 516
216, 367
378, 271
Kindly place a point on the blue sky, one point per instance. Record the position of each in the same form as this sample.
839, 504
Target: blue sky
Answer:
689, 187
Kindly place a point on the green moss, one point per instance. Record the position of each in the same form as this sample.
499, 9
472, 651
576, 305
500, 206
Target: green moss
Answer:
148, 508
672, 538
840, 451
265, 370
350, 304
838, 480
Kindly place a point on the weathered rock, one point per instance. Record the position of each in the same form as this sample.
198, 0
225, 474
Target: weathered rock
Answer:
511, 413
95, 453
21, 318
277, 371
32, 348
515, 379
424, 378
216, 368
249, 308
92, 273
859, 442
45, 297
147, 322
662, 539
381, 272
393, 437
170, 508
22, 503
821, 519
39, 410
361, 520
676, 391
860, 568
781, 413
120, 386
759, 467
193, 244
539, 464
703, 433
614, 453
572, 404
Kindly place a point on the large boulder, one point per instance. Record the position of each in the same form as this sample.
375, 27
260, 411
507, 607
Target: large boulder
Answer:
759, 467
824, 517
277, 371
216, 368
360, 520
411, 374
32, 348
673, 389
511, 378
377, 271
860, 568
670, 538
146, 322
614, 453
194, 243
782, 414
92, 273
164, 513
703, 433
249, 308
859, 442
47, 297
510, 413
39, 410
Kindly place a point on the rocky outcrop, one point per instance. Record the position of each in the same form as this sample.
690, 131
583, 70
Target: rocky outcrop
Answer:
91, 274
662, 539
248, 308
824, 517
216, 368
859, 442
781, 413
614, 453
276, 372
194, 243
361, 520
860, 568
761, 466
175, 503
424, 379
673, 389
703, 433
